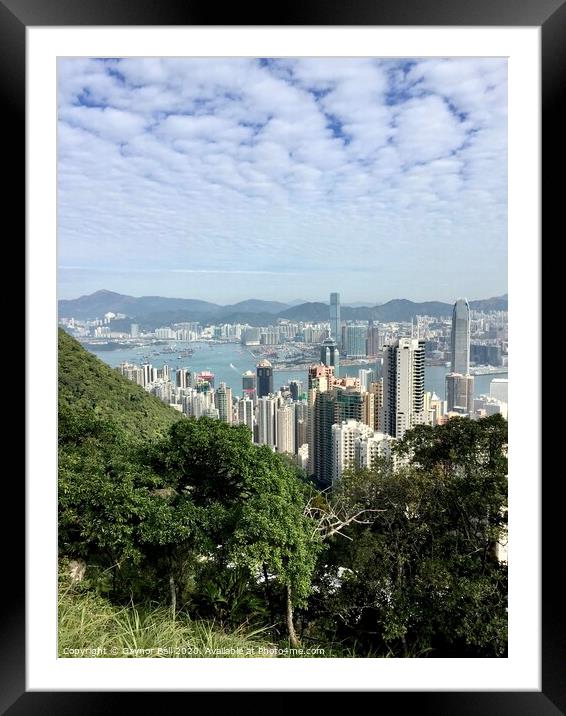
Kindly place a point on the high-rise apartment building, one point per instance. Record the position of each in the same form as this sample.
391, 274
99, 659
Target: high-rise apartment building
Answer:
320, 443
403, 386
245, 410
266, 420
344, 435
460, 337
369, 448
223, 402
320, 376
286, 428
301, 424
376, 389
264, 371
335, 324
183, 378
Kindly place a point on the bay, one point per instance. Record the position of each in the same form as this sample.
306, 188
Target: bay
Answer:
229, 360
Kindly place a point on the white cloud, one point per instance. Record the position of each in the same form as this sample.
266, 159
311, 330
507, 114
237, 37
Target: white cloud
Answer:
221, 163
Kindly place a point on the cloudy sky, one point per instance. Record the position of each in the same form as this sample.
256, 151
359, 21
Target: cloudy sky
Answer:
226, 179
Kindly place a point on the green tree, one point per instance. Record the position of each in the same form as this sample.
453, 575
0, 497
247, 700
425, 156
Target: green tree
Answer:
424, 578
257, 500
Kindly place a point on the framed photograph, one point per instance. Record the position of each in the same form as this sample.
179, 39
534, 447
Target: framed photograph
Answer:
278, 271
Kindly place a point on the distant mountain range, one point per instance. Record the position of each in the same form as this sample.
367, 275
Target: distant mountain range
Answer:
154, 311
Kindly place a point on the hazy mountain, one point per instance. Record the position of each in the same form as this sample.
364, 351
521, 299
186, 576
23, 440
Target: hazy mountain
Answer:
497, 303
253, 305
306, 312
154, 311
97, 304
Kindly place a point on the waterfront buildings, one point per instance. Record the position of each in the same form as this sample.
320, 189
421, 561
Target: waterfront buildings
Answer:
460, 337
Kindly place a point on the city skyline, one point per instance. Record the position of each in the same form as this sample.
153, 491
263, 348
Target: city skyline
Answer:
198, 178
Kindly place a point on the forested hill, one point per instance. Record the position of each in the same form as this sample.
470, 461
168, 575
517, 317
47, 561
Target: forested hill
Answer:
87, 384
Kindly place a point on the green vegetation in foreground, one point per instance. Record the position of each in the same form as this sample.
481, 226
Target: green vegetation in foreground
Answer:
89, 386
183, 529
91, 626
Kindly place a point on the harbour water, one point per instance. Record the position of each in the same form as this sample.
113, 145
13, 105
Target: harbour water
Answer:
229, 360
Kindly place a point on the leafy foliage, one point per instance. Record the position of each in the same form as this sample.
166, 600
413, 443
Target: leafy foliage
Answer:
88, 387
192, 516
424, 578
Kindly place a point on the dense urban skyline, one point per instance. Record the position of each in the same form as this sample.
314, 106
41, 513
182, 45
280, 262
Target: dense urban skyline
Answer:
201, 177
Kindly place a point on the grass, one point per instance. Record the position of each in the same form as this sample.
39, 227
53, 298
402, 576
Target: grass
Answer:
92, 627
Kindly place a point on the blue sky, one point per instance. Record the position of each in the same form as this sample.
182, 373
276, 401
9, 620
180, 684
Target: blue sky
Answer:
226, 179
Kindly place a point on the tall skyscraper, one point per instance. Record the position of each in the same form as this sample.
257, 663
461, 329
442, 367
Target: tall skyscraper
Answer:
349, 404
223, 402
301, 424
246, 412
460, 393
330, 355
264, 371
320, 443
183, 378
249, 384
376, 389
373, 339
356, 341
335, 325
403, 386
266, 420
295, 388
460, 338
286, 428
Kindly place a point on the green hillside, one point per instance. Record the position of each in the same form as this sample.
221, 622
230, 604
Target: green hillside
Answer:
88, 384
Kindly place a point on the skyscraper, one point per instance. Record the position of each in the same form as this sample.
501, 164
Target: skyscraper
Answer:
330, 355
335, 326
460, 338
266, 420
301, 424
356, 341
264, 371
460, 393
183, 378
246, 412
344, 436
295, 388
223, 402
403, 386
249, 384
320, 443
286, 428
373, 339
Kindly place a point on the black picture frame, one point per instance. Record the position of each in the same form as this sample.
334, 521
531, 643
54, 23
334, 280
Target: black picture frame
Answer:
550, 16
